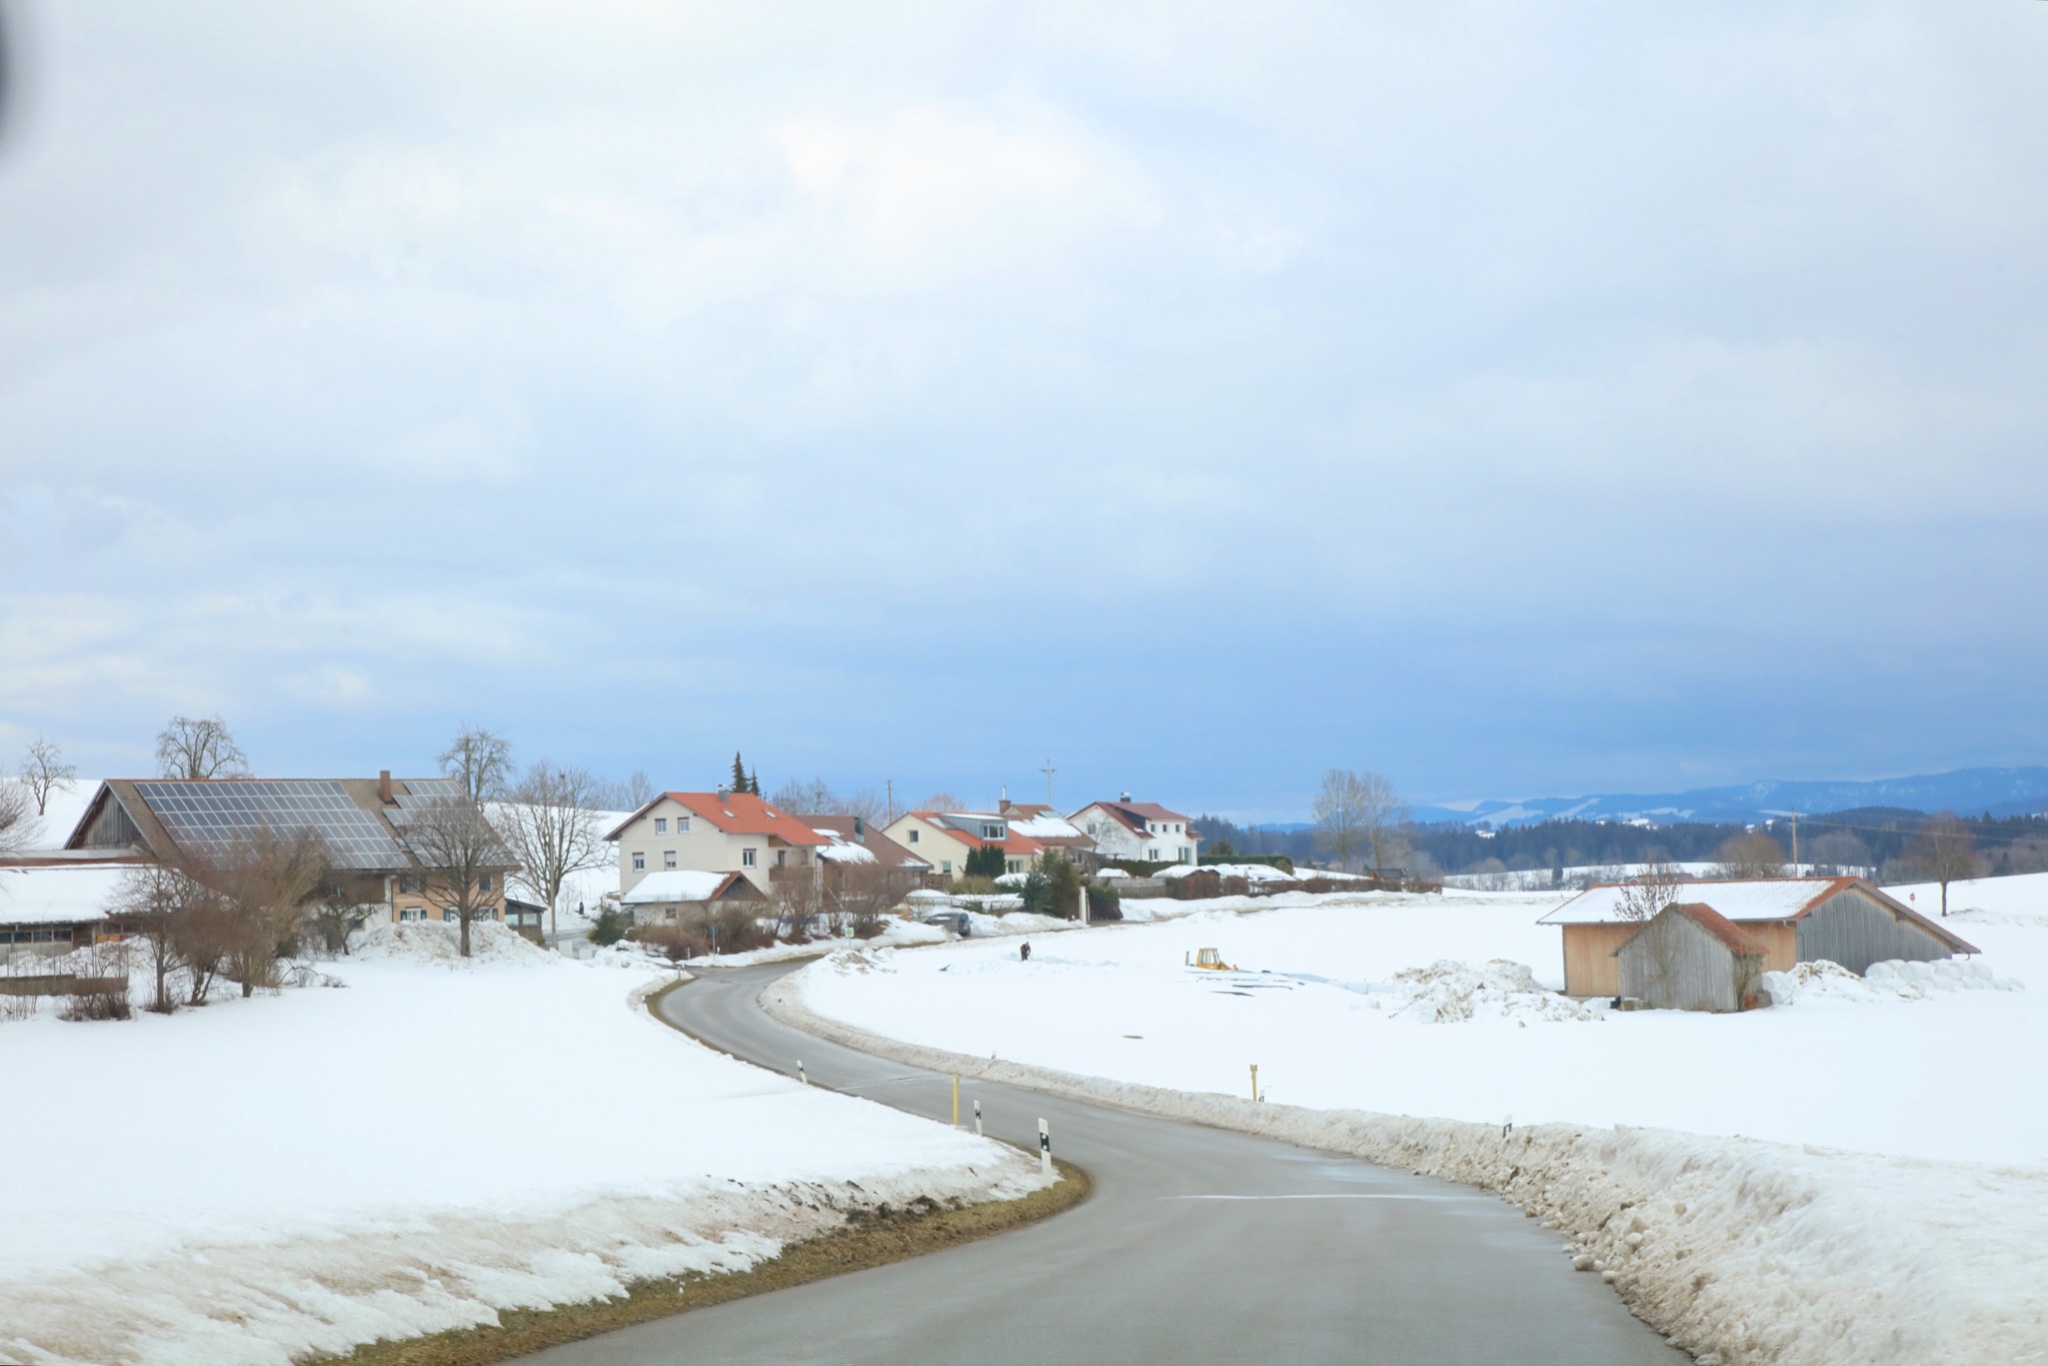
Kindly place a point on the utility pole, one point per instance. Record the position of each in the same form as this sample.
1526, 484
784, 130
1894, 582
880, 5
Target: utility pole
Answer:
1795, 844
890, 784
1048, 771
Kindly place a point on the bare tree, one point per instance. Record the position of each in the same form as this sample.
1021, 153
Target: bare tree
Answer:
336, 915
196, 748
940, 801
265, 882
548, 825
1945, 852
153, 900
479, 759
18, 823
816, 798
859, 894
1649, 892
639, 791
462, 856
1360, 811
798, 898
44, 771
1751, 855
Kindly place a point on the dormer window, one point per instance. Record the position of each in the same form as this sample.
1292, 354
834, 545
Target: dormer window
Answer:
992, 830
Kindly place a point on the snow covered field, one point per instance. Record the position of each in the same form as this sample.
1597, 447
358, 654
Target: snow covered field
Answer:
1317, 1008
411, 1152
1895, 1213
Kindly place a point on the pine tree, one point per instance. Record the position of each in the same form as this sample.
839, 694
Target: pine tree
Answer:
754, 783
739, 773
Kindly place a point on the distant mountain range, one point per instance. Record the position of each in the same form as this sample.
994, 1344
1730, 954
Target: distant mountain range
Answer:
1971, 791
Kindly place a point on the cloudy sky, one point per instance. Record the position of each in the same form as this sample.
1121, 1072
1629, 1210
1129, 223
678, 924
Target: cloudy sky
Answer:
1512, 397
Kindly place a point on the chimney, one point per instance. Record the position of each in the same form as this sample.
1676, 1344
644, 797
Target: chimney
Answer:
721, 796
1126, 797
1003, 807
384, 787
860, 830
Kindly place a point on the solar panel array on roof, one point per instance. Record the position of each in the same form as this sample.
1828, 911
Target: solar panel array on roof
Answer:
212, 818
421, 794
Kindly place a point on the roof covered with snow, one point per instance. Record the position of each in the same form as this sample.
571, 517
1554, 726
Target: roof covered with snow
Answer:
856, 841
56, 894
1782, 898
1044, 824
676, 885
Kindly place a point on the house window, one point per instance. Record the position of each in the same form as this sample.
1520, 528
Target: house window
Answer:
414, 884
1152, 855
782, 858
746, 858
661, 825
913, 837
945, 865
639, 861
991, 831
412, 913
682, 825
668, 859
449, 914
1016, 865
483, 884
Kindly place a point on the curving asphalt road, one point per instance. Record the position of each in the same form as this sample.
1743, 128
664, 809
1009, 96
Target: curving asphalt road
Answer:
1198, 1245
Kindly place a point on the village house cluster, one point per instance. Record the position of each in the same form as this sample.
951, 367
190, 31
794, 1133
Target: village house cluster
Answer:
681, 853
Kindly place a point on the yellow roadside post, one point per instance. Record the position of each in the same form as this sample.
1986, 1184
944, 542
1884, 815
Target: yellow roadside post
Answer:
956, 1100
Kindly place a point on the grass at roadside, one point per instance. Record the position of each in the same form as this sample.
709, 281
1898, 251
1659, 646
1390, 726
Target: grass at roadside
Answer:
875, 1241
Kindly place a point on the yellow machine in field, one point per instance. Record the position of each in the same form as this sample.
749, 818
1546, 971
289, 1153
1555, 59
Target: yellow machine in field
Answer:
1211, 959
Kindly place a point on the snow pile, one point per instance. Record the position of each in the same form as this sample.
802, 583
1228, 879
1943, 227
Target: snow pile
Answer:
1250, 872
438, 941
1448, 991
1739, 1251
1891, 980
266, 1179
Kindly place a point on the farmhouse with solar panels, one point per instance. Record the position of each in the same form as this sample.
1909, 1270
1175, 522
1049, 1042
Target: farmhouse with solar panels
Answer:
360, 822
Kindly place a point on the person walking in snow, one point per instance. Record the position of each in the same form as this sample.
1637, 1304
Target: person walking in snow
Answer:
1024, 951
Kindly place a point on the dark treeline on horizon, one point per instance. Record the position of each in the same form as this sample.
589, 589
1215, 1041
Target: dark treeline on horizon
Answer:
1878, 837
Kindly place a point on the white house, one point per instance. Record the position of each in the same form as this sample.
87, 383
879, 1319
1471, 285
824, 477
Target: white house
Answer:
1143, 831
715, 832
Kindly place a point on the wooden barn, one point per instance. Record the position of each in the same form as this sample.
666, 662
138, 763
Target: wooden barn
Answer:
1792, 920
1691, 957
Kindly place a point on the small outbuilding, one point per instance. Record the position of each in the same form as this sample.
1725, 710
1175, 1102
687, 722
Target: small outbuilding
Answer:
672, 895
1792, 920
1691, 957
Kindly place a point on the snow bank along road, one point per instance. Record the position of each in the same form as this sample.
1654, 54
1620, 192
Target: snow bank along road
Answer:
1199, 1245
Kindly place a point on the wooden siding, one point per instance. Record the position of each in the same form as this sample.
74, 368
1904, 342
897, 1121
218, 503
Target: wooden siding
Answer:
1589, 966
111, 828
1855, 929
1779, 939
1677, 964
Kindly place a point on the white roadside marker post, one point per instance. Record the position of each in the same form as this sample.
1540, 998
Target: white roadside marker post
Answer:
1084, 905
977, 1119
1044, 1149
800, 1072
1255, 1083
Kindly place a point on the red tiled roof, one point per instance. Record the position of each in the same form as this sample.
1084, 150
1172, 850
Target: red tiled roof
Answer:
742, 813
942, 821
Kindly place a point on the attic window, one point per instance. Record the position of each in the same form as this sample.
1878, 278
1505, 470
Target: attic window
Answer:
661, 825
992, 830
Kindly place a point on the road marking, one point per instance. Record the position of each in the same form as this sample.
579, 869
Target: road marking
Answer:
1335, 1195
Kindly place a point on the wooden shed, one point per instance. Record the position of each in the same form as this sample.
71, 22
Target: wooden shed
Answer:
1791, 920
1691, 957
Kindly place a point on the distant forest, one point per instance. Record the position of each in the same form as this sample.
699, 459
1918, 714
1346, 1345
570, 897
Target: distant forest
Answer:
1867, 837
